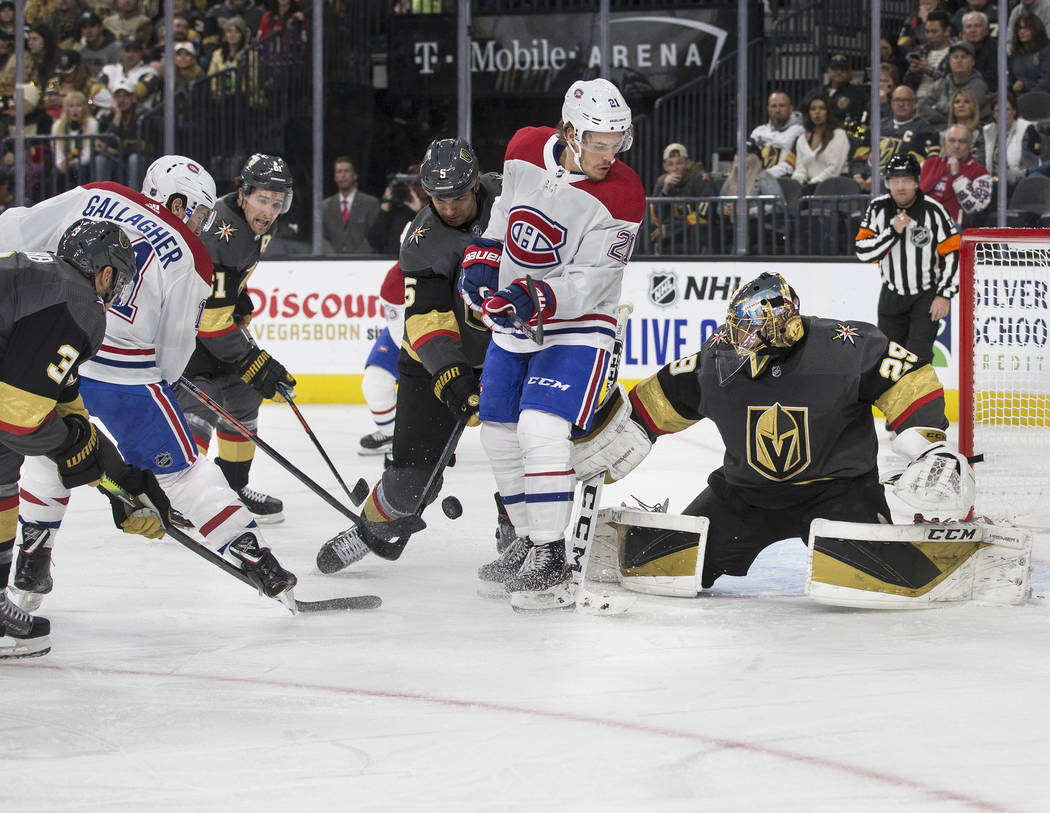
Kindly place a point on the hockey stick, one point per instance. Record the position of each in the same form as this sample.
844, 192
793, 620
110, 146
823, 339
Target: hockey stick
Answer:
360, 492
534, 333
112, 489
393, 549
385, 530
574, 593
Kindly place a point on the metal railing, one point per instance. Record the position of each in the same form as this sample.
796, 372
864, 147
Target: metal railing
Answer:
55, 163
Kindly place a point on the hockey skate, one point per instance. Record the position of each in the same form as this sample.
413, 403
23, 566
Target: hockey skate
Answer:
544, 568
267, 510
21, 634
341, 551
32, 579
494, 575
262, 567
375, 444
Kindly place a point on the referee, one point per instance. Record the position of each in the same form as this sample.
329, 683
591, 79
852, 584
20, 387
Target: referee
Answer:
916, 244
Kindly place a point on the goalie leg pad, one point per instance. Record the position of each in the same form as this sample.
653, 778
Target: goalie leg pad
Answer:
917, 566
659, 554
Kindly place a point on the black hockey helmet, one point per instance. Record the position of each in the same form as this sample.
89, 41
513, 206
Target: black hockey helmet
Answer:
449, 168
91, 245
903, 165
269, 172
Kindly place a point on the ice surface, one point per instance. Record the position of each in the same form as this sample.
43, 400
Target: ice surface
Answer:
172, 687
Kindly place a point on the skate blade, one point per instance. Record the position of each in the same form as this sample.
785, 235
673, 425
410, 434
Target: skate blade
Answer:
560, 597
268, 519
13, 648
24, 599
287, 598
372, 452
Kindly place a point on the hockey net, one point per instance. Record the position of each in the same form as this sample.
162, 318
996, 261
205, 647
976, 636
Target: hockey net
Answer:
1004, 370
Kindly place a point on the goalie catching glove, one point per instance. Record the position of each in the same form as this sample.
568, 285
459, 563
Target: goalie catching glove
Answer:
939, 482
480, 275
266, 374
457, 387
616, 443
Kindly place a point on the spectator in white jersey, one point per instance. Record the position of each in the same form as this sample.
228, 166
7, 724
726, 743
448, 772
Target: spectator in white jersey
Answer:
776, 138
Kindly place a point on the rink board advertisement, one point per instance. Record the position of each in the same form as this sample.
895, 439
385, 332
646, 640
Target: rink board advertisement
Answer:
320, 318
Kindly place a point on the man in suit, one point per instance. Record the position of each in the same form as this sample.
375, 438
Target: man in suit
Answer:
349, 213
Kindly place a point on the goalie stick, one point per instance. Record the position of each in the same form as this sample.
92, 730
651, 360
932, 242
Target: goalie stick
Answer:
379, 530
573, 592
110, 488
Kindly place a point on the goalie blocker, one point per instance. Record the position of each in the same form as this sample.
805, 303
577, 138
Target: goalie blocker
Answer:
854, 564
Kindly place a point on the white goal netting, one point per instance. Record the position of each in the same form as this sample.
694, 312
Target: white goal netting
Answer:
1004, 372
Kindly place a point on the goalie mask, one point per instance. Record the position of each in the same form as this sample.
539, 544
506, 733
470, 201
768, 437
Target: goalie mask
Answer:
597, 106
763, 323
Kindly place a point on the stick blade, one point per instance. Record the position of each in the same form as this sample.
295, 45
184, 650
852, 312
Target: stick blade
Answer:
337, 604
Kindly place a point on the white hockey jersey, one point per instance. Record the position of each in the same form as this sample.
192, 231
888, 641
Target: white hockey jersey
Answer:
151, 328
573, 233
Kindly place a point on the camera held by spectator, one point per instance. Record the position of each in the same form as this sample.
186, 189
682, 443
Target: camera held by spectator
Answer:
399, 184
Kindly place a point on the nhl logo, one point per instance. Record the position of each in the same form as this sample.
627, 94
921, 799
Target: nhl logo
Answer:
163, 460
663, 288
921, 236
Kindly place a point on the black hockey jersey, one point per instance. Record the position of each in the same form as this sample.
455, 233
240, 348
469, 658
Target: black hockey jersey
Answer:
51, 320
804, 420
234, 250
915, 137
439, 329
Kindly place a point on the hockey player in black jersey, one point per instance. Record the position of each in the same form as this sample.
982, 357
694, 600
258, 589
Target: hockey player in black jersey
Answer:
226, 364
791, 396
444, 343
53, 318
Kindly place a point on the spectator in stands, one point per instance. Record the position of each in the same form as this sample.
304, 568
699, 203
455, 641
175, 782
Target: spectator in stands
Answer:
7, 18
234, 64
120, 159
929, 61
128, 22
72, 73
348, 215
64, 20
889, 79
758, 181
905, 132
53, 99
681, 178
1040, 8
41, 43
776, 138
822, 150
850, 102
985, 48
964, 111
988, 9
400, 203
286, 17
131, 67
889, 52
194, 23
935, 105
956, 179
187, 69
1030, 60
73, 155
247, 10
98, 46
913, 32
1022, 143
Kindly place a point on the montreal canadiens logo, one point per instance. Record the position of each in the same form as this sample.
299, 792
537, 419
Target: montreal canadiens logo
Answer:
533, 239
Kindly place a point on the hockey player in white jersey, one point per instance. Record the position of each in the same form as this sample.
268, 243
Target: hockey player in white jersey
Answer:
568, 217
150, 335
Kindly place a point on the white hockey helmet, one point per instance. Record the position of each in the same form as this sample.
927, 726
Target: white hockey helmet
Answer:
178, 175
597, 106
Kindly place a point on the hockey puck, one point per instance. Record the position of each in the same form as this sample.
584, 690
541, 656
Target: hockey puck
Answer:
452, 507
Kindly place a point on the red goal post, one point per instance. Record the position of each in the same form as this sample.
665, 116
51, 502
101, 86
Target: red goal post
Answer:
1004, 368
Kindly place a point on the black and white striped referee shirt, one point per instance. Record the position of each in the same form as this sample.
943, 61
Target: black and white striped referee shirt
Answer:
924, 256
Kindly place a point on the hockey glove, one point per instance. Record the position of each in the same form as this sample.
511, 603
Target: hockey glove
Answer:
480, 275
616, 442
457, 387
938, 481
154, 511
243, 308
81, 457
266, 375
505, 309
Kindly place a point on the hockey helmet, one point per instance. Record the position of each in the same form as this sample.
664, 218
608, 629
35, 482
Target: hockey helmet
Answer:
903, 165
172, 175
763, 322
597, 106
269, 172
449, 168
91, 245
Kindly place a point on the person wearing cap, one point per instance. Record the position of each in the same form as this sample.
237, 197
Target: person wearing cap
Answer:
915, 243
937, 103
119, 157
129, 21
187, 68
98, 47
132, 68
234, 64
681, 178
850, 101
72, 73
